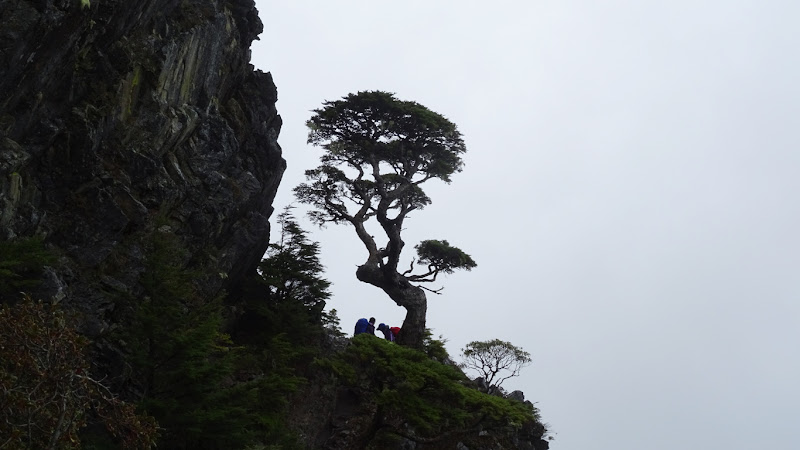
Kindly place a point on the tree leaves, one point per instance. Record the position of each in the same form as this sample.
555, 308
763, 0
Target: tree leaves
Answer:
395, 144
440, 256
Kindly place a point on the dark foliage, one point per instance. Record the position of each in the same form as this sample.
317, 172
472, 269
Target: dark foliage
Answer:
21, 264
47, 392
282, 325
181, 360
291, 269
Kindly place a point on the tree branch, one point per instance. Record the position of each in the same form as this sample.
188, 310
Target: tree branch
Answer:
435, 291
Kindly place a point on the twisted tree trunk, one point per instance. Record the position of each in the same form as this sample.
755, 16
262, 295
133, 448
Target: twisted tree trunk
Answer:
405, 294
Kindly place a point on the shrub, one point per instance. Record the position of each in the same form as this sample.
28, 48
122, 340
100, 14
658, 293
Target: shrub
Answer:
21, 264
46, 391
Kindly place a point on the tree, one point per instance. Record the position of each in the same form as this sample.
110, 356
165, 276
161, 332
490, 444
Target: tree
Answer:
281, 324
378, 152
287, 294
182, 364
496, 360
291, 269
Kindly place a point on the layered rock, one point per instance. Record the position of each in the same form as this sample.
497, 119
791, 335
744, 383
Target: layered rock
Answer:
118, 118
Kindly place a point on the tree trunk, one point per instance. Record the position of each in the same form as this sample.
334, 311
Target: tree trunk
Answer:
405, 294
413, 329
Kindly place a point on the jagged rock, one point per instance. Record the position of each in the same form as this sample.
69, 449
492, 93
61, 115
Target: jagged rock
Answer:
126, 116
517, 395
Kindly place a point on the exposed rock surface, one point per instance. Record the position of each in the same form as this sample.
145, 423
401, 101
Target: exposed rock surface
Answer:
118, 118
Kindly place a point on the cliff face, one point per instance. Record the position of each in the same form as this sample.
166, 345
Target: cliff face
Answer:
118, 118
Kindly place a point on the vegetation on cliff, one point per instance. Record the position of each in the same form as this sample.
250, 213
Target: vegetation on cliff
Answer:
21, 266
47, 389
209, 390
420, 399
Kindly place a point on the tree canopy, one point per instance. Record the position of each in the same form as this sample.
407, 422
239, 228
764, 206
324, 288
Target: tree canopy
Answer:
379, 150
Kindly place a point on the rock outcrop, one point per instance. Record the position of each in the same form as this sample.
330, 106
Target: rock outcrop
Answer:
118, 118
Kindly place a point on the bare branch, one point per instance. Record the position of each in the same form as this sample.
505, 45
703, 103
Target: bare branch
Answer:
435, 291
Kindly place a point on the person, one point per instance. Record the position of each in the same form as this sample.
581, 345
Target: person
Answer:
365, 326
395, 331
387, 333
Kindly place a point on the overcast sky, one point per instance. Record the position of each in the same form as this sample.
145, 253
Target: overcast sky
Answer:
629, 194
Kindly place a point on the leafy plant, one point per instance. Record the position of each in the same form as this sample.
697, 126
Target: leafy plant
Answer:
291, 269
332, 323
281, 325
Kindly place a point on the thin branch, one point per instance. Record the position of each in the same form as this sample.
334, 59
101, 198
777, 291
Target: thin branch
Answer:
411, 267
435, 291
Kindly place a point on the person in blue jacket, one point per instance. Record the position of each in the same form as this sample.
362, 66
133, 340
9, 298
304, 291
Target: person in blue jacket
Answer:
365, 326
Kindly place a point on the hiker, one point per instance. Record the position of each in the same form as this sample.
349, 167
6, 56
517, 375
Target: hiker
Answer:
365, 326
395, 331
387, 332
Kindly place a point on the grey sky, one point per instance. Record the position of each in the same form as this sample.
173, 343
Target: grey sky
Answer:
628, 194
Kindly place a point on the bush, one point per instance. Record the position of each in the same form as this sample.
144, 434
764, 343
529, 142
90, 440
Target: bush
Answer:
21, 265
46, 391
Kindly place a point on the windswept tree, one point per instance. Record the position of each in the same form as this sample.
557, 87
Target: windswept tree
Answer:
378, 152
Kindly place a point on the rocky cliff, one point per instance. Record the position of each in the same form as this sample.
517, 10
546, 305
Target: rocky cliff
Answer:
118, 118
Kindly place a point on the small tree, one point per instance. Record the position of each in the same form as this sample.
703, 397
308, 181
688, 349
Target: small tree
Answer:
181, 360
288, 293
495, 360
378, 152
281, 324
291, 268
